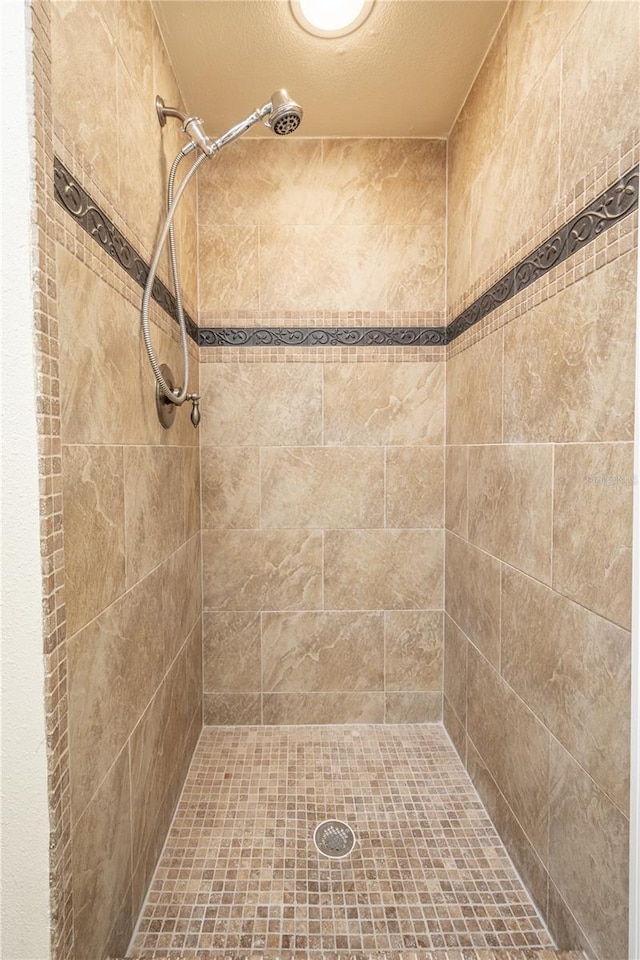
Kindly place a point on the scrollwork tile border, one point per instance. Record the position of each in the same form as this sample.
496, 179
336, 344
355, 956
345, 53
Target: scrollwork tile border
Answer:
322, 336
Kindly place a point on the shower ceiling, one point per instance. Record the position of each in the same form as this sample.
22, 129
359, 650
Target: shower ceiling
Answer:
404, 73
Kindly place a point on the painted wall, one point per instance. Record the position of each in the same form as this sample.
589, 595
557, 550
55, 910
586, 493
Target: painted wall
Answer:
540, 402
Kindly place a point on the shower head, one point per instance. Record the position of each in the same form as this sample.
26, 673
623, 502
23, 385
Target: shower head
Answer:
285, 115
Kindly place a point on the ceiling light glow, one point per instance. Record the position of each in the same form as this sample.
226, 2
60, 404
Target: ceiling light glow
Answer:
331, 18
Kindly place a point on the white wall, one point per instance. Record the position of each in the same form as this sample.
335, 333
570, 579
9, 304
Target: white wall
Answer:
24, 927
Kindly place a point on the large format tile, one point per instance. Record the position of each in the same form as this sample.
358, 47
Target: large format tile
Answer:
230, 487
261, 404
413, 650
383, 569
564, 381
93, 499
228, 267
513, 744
231, 651
454, 678
414, 487
390, 403
320, 708
472, 594
322, 487
416, 264
415, 706
510, 504
588, 855
179, 582
322, 652
572, 668
592, 512
232, 709
456, 507
262, 569
474, 393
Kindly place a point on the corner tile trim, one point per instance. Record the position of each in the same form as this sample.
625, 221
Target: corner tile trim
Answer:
617, 202
78, 203
321, 336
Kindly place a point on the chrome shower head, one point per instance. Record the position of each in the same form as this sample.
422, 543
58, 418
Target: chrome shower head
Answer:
285, 115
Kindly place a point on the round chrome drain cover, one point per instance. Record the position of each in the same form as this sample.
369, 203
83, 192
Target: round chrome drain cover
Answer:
334, 839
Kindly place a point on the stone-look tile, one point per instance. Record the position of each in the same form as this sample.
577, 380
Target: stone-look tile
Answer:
510, 504
266, 181
322, 487
313, 267
588, 855
269, 404
309, 652
519, 182
390, 403
513, 744
472, 595
412, 650
455, 668
455, 496
524, 857
333, 707
481, 122
101, 858
193, 657
454, 728
535, 32
413, 707
156, 747
564, 381
458, 245
572, 668
592, 513
228, 267
414, 487
179, 583
562, 924
83, 85
385, 181
115, 665
132, 27
262, 569
230, 487
474, 393
231, 651
232, 709
601, 90
191, 461
383, 569
154, 506
416, 264
93, 497
120, 933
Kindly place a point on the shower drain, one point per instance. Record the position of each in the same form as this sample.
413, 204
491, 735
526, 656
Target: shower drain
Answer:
334, 839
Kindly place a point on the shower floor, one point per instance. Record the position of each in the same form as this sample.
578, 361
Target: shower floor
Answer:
240, 872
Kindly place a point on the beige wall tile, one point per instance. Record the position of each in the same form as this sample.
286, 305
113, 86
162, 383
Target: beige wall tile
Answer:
383, 569
93, 492
592, 512
231, 649
416, 264
588, 848
563, 380
191, 460
322, 652
182, 604
474, 393
115, 664
230, 487
414, 707
414, 485
455, 669
458, 246
322, 487
232, 709
262, 569
101, 857
228, 267
562, 924
572, 668
600, 86
456, 507
135, 40
472, 594
413, 650
268, 404
333, 707
391, 403
513, 744
510, 504
154, 506
454, 728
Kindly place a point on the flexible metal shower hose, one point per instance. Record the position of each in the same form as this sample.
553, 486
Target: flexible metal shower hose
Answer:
172, 204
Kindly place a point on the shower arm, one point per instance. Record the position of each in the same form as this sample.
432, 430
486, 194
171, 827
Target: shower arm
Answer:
193, 128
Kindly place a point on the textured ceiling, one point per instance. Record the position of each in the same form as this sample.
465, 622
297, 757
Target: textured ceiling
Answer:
404, 73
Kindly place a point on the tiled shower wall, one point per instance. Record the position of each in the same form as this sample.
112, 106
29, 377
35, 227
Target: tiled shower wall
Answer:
539, 462
131, 513
322, 482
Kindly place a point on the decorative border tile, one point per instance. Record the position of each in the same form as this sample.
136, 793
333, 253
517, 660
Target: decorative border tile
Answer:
321, 336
